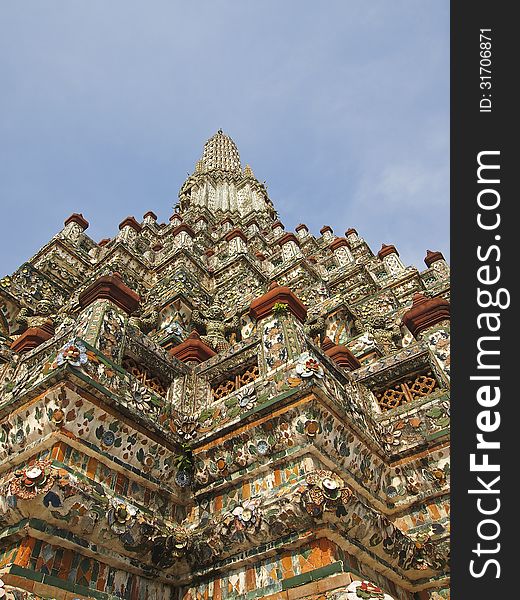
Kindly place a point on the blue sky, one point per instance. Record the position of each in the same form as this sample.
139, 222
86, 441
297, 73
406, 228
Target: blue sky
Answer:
342, 107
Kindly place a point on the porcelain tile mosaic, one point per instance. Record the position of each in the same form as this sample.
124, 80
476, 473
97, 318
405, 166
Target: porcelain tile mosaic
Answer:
217, 408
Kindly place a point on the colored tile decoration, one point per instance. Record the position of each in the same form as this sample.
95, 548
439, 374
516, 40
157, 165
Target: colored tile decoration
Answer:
76, 573
73, 353
223, 409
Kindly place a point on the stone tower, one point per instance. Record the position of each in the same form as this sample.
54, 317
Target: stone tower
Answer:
217, 408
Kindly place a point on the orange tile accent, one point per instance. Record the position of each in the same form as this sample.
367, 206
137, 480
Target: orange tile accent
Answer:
120, 483
66, 562
100, 585
92, 467
434, 511
58, 451
246, 490
277, 477
217, 594
24, 552
250, 579
218, 502
287, 566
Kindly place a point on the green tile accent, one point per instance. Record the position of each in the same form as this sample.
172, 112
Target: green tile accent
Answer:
321, 573
296, 581
63, 584
26, 573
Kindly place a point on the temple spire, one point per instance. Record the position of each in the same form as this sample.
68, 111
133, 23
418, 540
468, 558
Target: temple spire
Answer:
220, 153
219, 185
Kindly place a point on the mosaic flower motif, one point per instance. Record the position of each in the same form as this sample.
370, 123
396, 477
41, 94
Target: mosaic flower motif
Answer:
186, 428
121, 517
108, 438
309, 367
58, 417
183, 478
392, 435
285, 435
32, 480
246, 515
312, 428
325, 491
366, 590
148, 461
262, 447
246, 398
141, 396
74, 353
221, 464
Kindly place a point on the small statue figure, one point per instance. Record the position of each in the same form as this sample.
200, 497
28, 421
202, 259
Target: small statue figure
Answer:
146, 322
216, 327
315, 328
386, 332
44, 315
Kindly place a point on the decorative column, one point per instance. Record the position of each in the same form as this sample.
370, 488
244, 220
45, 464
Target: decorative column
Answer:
280, 316
277, 228
429, 319
290, 247
237, 242
390, 257
106, 304
327, 233
210, 258
183, 236
75, 225
149, 218
436, 261
352, 235
302, 231
341, 249
128, 230
175, 220
227, 224
252, 227
201, 224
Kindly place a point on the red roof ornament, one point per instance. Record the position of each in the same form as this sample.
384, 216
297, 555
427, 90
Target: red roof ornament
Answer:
386, 250
193, 349
341, 355
234, 233
77, 218
339, 242
432, 257
288, 237
130, 222
32, 337
263, 306
110, 287
425, 313
184, 227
